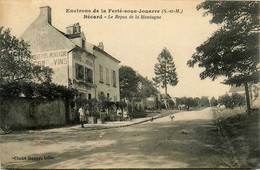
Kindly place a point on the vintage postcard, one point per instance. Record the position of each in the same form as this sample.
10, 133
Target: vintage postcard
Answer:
129, 84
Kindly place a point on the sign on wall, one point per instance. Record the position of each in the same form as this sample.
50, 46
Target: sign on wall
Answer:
51, 59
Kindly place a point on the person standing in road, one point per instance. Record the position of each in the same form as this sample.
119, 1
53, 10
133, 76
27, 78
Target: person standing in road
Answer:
81, 116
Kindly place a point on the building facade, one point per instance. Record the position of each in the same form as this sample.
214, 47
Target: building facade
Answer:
106, 74
75, 62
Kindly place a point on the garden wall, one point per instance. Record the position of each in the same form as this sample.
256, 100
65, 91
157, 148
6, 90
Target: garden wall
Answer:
33, 113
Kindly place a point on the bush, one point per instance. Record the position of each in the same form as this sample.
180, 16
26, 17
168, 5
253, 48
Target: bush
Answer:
231, 101
33, 90
238, 99
213, 102
138, 114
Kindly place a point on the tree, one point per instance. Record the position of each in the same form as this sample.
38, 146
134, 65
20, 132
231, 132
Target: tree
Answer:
187, 101
190, 102
232, 51
238, 99
231, 101
198, 101
213, 102
165, 70
16, 61
128, 82
146, 88
205, 101
226, 100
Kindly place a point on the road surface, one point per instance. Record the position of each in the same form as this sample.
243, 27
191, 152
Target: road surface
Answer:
187, 141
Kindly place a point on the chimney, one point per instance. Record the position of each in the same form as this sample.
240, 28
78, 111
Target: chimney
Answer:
77, 28
73, 29
101, 45
45, 13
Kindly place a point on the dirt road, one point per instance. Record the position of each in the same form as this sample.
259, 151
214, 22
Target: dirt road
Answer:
187, 141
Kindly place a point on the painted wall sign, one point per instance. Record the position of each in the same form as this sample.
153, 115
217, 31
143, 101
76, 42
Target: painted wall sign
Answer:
53, 54
51, 59
52, 62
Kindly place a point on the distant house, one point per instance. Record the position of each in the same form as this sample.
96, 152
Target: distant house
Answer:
253, 93
239, 89
75, 62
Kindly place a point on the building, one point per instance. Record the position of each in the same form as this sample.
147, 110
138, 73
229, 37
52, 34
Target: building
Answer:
253, 93
237, 89
75, 62
107, 74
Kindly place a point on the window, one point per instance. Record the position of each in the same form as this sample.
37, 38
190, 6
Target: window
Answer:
83, 43
89, 96
89, 75
101, 74
79, 72
108, 97
114, 78
107, 76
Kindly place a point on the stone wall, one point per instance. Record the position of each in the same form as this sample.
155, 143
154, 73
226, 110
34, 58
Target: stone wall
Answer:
32, 113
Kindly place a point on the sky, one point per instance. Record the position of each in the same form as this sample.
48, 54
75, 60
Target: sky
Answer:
135, 42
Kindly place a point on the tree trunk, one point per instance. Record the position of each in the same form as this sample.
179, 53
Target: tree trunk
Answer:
166, 90
166, 98
247, 99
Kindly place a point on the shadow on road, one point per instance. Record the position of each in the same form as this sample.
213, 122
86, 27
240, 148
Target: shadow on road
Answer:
158, 144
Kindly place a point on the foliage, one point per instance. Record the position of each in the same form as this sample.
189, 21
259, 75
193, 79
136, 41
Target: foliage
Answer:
165, 70
233, 50
16, 61
213, 102
231, 101
146, 88
102, 102
238, 99
80, 102
234, 124
135, 110
187, 101
128, 82
205, 101
121, 105
193, 102
34, 90
226, 101
93, 107
134, 86
198, 101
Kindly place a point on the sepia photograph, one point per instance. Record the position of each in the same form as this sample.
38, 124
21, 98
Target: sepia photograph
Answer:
129, 84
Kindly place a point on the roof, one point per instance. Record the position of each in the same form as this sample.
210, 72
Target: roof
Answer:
90, 47
75, 35
69, 36
108, 55
40, 28
57, 40
82, 49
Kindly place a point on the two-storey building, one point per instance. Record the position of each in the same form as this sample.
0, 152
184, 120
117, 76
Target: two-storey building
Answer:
75, 62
